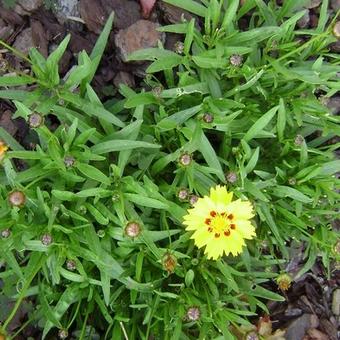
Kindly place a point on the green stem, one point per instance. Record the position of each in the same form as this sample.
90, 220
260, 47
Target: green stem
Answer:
82, 334
22, 294
16, 52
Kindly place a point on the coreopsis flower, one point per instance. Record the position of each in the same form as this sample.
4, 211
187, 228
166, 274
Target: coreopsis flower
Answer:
220, 224
3, 149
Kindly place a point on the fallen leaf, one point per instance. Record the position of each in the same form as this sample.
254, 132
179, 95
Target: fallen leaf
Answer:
317, 335
147, 6
277, 335
264, 326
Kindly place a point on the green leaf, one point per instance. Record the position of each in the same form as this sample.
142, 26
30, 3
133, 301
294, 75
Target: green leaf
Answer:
144, 98
253, 36
273, 227
330, 168
92, 110
230, 14
53, 60
9, 140
189, 36
63, 195
285, 191
98, 49
209, 62
98, 192
281, 120
28, 155
22, 110
77, 74
97, 214
266, 294
167, 63
10, 80
189, 89
179, 118
208, 152
323, 16
260, 124
120, 144
253, 161
71, 294
146, 201
189, 5
152, 54
93, 173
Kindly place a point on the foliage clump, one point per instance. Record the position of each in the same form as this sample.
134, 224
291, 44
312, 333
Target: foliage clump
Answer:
92, 228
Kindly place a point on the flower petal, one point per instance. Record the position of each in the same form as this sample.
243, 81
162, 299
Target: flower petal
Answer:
241, 209
220, 195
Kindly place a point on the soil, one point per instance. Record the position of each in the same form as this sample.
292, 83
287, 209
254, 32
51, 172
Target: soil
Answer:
311, 310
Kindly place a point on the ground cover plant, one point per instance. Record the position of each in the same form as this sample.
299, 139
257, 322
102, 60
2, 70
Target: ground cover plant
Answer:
120, 223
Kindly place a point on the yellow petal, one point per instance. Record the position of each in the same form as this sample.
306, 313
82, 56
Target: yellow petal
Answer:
220, 195
241, 209
245, 228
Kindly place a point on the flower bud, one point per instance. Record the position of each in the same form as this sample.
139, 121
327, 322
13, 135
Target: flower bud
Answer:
115, 197
193, 314
17, 198
82, 209
185, 159
236, 60
132, 229
336, 30
46, 239
3, 64
69, 161
3, 149
231, 177
252, 336
63, 334
299, 140
157, 91
35, 120
193, 199
179, 47
195, 262
291, 181
169, 262
71, 265
208, 118
101, 233
6, 233
183, 194
284, 281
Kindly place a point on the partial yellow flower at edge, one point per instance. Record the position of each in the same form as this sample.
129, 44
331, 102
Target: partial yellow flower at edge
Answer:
220, 224
3, 149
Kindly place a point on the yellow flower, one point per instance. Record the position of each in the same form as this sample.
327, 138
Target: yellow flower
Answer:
220, 224
3, 149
